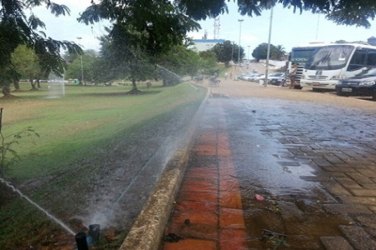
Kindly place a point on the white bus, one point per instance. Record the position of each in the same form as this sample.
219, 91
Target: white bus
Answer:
334, 62
300, 55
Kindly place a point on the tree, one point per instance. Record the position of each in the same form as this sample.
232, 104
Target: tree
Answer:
18, 28
276, 52
141, 31
26, 64
208, 62
180, 60
123, 58
281, 50
75, 71
227, 51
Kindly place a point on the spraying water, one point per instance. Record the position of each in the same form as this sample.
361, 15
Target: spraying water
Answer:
56, 87
53, 218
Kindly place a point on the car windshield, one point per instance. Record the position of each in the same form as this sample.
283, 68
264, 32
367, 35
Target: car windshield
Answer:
330, 57
368, 73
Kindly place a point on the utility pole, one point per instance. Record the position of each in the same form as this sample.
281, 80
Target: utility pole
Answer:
217, 26
249, 56
82, 66
232, 51
240, 34
268, 51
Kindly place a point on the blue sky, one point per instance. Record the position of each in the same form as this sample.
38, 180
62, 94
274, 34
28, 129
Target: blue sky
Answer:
289, 29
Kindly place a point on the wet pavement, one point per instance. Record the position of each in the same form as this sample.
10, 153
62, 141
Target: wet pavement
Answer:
273, 173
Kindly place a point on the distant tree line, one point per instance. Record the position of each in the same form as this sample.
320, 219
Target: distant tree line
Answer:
94, 67
142, 31
228, 51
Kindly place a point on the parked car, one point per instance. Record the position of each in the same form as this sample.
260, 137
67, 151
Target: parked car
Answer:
277, 78
249, 76
363, 84
253, 76
242, 76
259, 77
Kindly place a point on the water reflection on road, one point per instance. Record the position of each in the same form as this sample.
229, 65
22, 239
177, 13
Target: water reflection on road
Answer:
263, 162
298, 156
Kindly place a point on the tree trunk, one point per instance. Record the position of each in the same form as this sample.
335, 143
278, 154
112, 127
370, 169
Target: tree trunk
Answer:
6, 91
134, 86
16, 84
134, 90
33, 86
38, 84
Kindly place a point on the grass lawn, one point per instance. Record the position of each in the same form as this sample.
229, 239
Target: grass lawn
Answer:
72, 129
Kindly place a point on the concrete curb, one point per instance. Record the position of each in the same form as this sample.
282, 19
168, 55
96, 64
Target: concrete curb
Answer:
147, 231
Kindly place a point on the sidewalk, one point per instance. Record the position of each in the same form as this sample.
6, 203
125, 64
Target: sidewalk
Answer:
317, 181
208, 212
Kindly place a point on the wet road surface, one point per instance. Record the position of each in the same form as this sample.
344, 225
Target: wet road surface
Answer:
297, 175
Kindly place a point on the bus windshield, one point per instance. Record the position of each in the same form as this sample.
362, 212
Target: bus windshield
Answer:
330, 57
301, 55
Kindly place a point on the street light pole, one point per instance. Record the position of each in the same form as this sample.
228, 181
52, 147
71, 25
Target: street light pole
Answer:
268, 51
82, 66
249, 56
232, 51
240, 34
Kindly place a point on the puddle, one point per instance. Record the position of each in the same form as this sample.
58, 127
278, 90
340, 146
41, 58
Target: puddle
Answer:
270, 149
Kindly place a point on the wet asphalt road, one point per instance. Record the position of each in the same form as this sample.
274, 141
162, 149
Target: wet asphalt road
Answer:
315, 164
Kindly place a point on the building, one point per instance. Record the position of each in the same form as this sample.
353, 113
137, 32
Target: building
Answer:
205, 44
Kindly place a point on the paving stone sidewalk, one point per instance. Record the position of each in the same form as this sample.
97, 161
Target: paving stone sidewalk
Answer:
216, 207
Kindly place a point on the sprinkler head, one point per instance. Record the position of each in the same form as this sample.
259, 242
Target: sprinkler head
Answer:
94, 231
81, 241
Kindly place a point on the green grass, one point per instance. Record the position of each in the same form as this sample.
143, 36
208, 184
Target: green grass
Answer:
71, 131
84, 118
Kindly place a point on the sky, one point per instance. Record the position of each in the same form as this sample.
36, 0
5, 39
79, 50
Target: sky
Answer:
288, 29
68, 28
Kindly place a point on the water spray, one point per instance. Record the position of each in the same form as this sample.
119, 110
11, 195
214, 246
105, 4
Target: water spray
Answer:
82, 240
53, 218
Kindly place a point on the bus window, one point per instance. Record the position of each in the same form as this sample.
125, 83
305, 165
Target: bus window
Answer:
330, 57
358, 60
371, 58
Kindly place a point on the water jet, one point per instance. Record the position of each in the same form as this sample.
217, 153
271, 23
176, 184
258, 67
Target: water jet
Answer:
49, 215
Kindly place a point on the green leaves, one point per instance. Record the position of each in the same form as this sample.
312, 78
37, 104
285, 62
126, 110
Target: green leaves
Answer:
343, 12
276, 52
153, 26
58, 9
18, 29
227, 51
202, 9
35, 23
